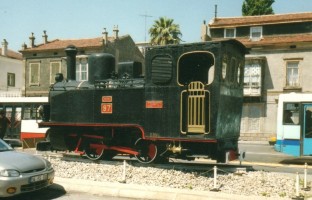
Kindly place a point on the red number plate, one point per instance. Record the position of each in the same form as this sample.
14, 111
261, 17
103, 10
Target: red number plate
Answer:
106, 108
154, 104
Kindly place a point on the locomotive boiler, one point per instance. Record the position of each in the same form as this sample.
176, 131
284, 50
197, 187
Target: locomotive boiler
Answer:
187, 105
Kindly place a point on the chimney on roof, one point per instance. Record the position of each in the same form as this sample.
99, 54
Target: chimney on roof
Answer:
216, 10
32, 40
24, 46
4, 48
45, 37
205, 33
116, 32
105, 36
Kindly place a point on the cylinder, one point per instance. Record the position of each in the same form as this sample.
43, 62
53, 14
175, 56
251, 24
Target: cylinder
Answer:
71, 52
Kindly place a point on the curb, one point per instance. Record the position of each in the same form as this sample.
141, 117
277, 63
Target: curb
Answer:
253, 142
144, 192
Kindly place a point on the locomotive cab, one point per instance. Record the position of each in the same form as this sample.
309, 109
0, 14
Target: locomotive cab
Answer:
194, 93
193, 84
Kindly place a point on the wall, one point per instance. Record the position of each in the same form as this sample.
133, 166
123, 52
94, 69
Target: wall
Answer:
274, 84
8, 65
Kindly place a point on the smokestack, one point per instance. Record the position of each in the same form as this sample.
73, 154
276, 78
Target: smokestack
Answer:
4, 48
71, 52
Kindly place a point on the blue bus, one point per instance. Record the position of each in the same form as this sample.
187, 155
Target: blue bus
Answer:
294, 124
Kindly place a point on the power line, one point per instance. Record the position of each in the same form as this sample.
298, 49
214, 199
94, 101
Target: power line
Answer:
145, 17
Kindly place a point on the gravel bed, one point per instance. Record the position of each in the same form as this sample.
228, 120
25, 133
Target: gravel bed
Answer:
257, 183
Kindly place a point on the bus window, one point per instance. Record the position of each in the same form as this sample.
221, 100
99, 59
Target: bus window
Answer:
291, 113
27, 111
38, 111
33, 112
18, 114
8, 112
308, 123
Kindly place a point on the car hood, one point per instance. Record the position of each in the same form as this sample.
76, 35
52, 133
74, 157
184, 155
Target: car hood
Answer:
22, 162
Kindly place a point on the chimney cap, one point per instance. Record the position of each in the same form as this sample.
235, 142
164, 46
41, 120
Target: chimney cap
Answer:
5, 42
32, 40
104, 31
32, 36
4, 50
24, 46
45, 37
71, 49
115, 29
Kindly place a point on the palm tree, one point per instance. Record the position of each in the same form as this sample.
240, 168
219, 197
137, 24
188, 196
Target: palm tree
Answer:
164, 31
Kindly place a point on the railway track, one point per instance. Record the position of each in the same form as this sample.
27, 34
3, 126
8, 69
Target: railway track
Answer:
198, 165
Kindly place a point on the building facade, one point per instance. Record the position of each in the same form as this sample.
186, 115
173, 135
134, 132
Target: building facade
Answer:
44, 60
279, 61
11, 77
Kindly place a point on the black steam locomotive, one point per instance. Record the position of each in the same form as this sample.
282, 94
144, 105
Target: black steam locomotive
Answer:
188, 104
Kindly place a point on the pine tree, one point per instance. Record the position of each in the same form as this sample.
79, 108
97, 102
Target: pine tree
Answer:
257, 7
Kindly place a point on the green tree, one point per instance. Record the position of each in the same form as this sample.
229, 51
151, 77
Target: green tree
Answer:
164, 31
257, 7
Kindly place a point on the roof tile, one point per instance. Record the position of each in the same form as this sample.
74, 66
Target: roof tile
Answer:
12, 54
61, 44
290, 39
260, 20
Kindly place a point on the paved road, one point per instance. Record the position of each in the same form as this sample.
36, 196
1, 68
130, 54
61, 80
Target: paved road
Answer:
262, 156
261, 152
57, 191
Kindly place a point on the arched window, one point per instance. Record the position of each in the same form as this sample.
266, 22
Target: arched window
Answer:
195, 66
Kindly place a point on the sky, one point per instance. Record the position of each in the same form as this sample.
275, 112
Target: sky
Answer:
75, 19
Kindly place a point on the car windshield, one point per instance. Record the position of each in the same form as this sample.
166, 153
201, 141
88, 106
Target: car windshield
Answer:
4, 146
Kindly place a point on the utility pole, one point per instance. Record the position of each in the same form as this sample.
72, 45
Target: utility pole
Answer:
145, 16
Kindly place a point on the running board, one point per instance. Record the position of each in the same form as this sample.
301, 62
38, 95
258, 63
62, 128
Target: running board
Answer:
120, 149
198, 156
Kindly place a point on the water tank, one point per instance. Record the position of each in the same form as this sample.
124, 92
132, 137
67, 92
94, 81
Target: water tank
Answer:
101, 66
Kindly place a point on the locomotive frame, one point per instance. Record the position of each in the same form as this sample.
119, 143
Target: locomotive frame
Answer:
188, 105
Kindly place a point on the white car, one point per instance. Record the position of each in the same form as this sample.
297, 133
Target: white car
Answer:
22, 172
